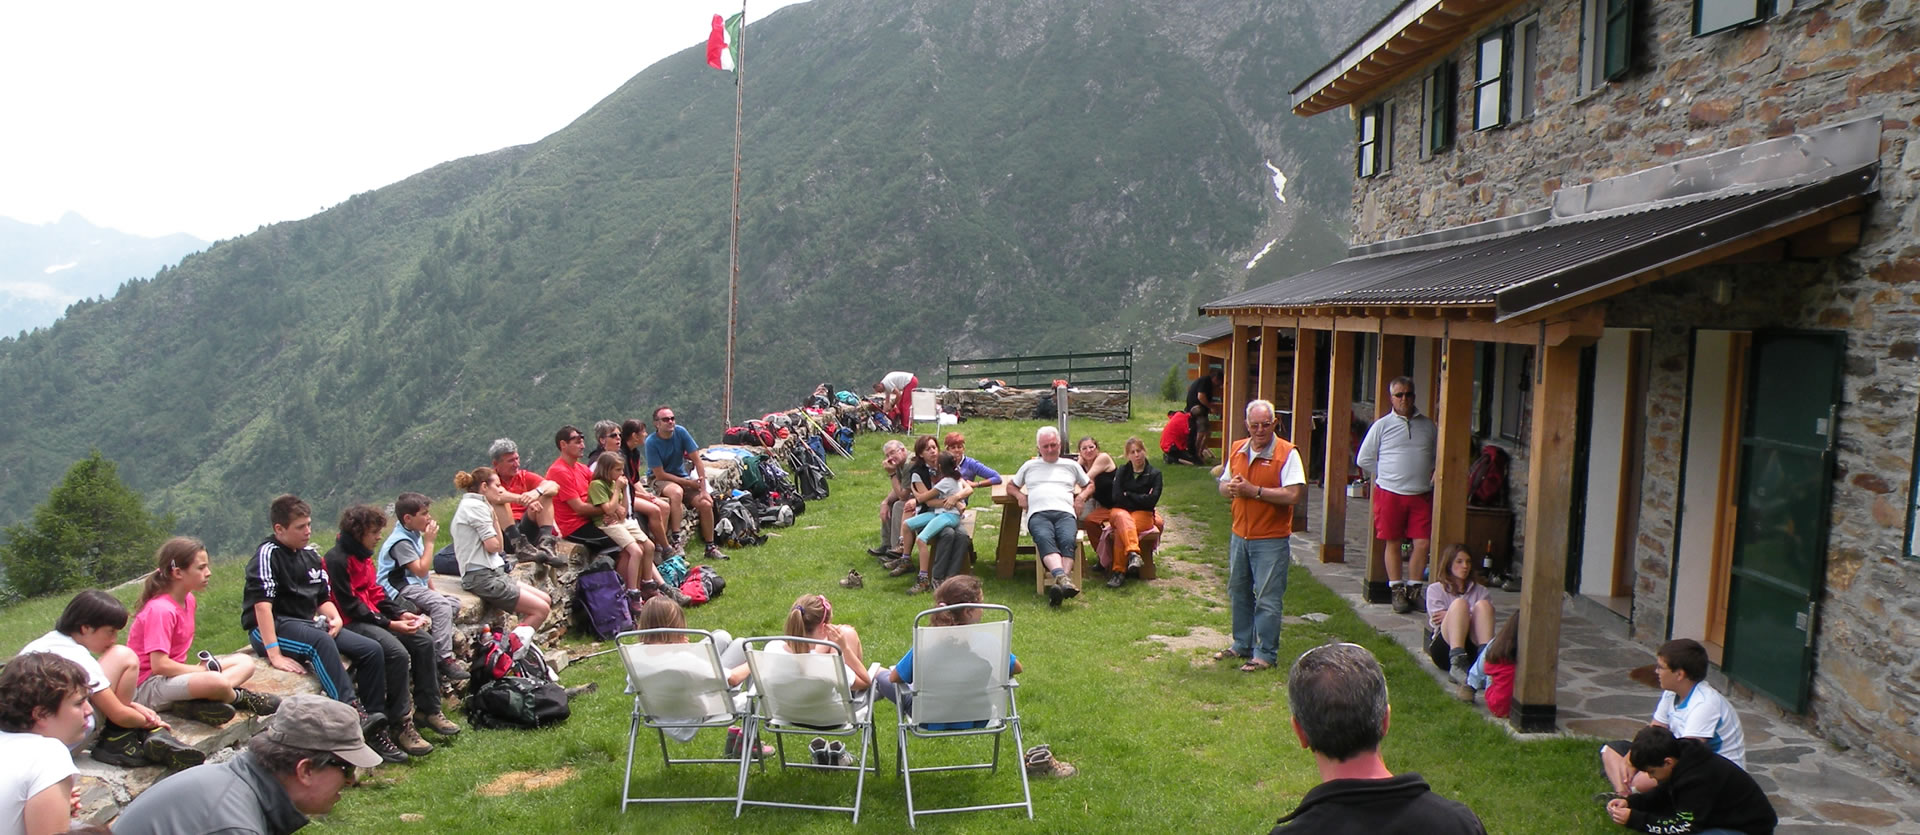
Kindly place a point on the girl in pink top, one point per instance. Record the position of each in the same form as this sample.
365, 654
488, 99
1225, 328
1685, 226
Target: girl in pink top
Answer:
162, 636
1458, 613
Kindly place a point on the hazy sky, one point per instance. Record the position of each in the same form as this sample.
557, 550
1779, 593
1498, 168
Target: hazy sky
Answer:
214, 117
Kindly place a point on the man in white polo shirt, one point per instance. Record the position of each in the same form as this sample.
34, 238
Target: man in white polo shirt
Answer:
1398, 453
1048, 488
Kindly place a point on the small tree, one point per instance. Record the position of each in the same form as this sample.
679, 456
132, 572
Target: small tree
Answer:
92, 531
1170, 387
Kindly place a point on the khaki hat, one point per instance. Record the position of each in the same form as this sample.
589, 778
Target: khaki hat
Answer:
317, 723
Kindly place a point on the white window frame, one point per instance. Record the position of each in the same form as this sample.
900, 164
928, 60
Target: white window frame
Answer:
1525, 68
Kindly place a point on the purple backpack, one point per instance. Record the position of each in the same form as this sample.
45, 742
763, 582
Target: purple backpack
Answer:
603, 599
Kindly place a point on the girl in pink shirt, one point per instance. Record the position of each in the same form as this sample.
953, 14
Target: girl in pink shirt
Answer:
162, 636
1459, 614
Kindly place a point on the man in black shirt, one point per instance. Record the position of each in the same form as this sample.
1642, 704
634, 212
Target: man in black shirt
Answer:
1698, 791
1339, 701
1203, 399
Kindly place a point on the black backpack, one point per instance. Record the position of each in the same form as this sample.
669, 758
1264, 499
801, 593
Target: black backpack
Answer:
736, 525
518, 702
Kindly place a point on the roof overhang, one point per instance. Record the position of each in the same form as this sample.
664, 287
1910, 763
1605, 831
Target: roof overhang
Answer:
1601, 238
1207, 332
1406, 40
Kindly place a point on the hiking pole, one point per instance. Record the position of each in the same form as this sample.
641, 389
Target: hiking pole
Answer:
825, 435
592, 655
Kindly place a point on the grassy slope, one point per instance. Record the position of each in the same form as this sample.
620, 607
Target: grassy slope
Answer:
1212, 745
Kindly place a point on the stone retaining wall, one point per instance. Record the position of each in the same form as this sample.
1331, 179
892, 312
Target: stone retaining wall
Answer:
1106, 405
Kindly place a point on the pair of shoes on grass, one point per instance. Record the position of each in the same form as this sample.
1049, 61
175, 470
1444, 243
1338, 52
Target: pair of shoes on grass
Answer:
1061, 589
732, 748
852, 580
825, 752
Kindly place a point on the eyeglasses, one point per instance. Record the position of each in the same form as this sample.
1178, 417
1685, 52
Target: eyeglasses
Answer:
1259, 424
572, 438
665, 418
1399, 394
610, 435
346, 768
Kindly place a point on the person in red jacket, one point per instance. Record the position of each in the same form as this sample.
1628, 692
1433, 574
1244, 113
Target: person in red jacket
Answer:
405, 637
1176, 441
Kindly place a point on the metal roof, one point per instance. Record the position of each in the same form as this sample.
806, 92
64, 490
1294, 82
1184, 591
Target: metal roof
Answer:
1204, 334
1520, 270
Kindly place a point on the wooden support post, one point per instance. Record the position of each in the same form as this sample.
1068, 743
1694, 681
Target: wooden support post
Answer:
1269, 386
1549, 502
1305, 355
1391, 363
1333, 510
1233, 420
1453, 411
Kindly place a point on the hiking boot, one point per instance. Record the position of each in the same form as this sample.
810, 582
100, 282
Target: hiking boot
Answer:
1040, 763
436, 722
890, 557
902, 567
513, 540
205, 711
255, 702
922, 586
678, 597
410, 741
817, 748
382, 743
370, 723
1463, 693
1402, 601
852, 580
880, 552
1054, 594
1116, 579
714, 553
543, 555
1134, 563
1067, 589
837, 754
163, 749
124, 747
450, 670
1457, 668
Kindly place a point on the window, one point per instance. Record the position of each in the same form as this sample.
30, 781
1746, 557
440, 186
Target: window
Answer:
1375, 143
1606, 42
1526, 61
1710, 16
1439, 94
1491, 80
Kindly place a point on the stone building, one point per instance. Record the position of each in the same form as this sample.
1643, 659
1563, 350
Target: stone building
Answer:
1667, 254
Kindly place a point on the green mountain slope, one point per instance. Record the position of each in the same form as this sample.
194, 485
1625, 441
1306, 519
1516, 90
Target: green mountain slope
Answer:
922, 179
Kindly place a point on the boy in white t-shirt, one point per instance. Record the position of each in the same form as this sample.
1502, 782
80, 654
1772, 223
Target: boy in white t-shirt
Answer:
1689, 707
43, 709
131, 734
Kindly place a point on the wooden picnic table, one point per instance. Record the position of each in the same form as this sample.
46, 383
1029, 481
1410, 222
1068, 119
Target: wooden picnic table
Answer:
1008, 551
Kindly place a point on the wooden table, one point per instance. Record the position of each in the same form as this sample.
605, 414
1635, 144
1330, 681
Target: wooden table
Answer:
1008, 551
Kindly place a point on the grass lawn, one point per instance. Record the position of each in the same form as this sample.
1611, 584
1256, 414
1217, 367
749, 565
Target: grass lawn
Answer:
1117, 682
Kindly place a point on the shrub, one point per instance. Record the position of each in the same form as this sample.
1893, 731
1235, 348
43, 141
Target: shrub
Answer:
93, 530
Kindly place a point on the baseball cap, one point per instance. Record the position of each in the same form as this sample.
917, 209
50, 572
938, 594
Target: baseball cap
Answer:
317, 723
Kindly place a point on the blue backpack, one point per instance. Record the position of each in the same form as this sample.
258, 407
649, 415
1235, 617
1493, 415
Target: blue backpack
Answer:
602, 599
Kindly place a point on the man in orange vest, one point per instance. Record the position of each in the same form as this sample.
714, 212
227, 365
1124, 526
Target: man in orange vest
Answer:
1264, 478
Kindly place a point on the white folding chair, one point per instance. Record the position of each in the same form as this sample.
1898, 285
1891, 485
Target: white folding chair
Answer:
807, 694
925, 406
962, 686
678, 687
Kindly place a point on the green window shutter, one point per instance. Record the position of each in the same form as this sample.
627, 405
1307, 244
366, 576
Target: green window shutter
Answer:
1618, 41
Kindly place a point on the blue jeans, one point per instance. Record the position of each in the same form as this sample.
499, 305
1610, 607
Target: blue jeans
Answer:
1256, 584
1053, 532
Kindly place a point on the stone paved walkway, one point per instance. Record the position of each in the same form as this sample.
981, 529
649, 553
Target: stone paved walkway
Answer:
1815, 788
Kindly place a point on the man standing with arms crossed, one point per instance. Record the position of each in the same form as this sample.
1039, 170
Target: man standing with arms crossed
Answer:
1264, 477
1398, 453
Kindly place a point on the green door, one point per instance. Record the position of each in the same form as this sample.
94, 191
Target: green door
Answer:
1780, 543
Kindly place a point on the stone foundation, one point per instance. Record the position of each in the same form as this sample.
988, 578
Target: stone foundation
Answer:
1110, 406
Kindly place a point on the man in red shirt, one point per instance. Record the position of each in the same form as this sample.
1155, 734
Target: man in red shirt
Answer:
1176, 441
571, 510
526, 517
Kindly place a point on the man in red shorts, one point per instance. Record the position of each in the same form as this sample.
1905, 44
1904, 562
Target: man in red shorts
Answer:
1398, 453
897, 389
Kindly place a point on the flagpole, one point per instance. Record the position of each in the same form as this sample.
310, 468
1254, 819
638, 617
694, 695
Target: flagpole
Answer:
733, 254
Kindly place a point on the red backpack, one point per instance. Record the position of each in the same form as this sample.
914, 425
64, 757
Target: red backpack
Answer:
1487, 478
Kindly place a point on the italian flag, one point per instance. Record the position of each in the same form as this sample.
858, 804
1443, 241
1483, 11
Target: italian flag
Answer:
723, 46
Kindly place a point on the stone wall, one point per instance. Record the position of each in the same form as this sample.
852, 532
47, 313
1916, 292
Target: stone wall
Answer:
1018, 404
1821, 63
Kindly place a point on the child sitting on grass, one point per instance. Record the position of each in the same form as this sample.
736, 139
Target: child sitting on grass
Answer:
162, 636
1493, 671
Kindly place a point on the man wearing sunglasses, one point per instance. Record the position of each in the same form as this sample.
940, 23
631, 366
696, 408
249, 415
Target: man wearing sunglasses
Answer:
1398, 453
680, 477
295, 768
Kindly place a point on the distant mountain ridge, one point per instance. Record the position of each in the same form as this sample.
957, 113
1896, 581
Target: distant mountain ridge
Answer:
923, 179
47, 266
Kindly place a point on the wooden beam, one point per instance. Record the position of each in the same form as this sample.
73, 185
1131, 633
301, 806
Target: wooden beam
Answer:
1233, 425
1762, 254
1549, 505
1832, 239
1305, 355
1339, 454
1349, 323
1453, 411
1268, 388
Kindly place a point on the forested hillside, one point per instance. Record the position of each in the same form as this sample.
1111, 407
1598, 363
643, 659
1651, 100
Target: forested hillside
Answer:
923, 178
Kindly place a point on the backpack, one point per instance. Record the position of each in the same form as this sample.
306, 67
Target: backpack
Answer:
602, 599
696, 588
502, 655
674, 569
1045, 409
735, 526
1487, 478
846, 398
777, 482
752, 478
737, 435
444, 562
517, 702
843, 435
